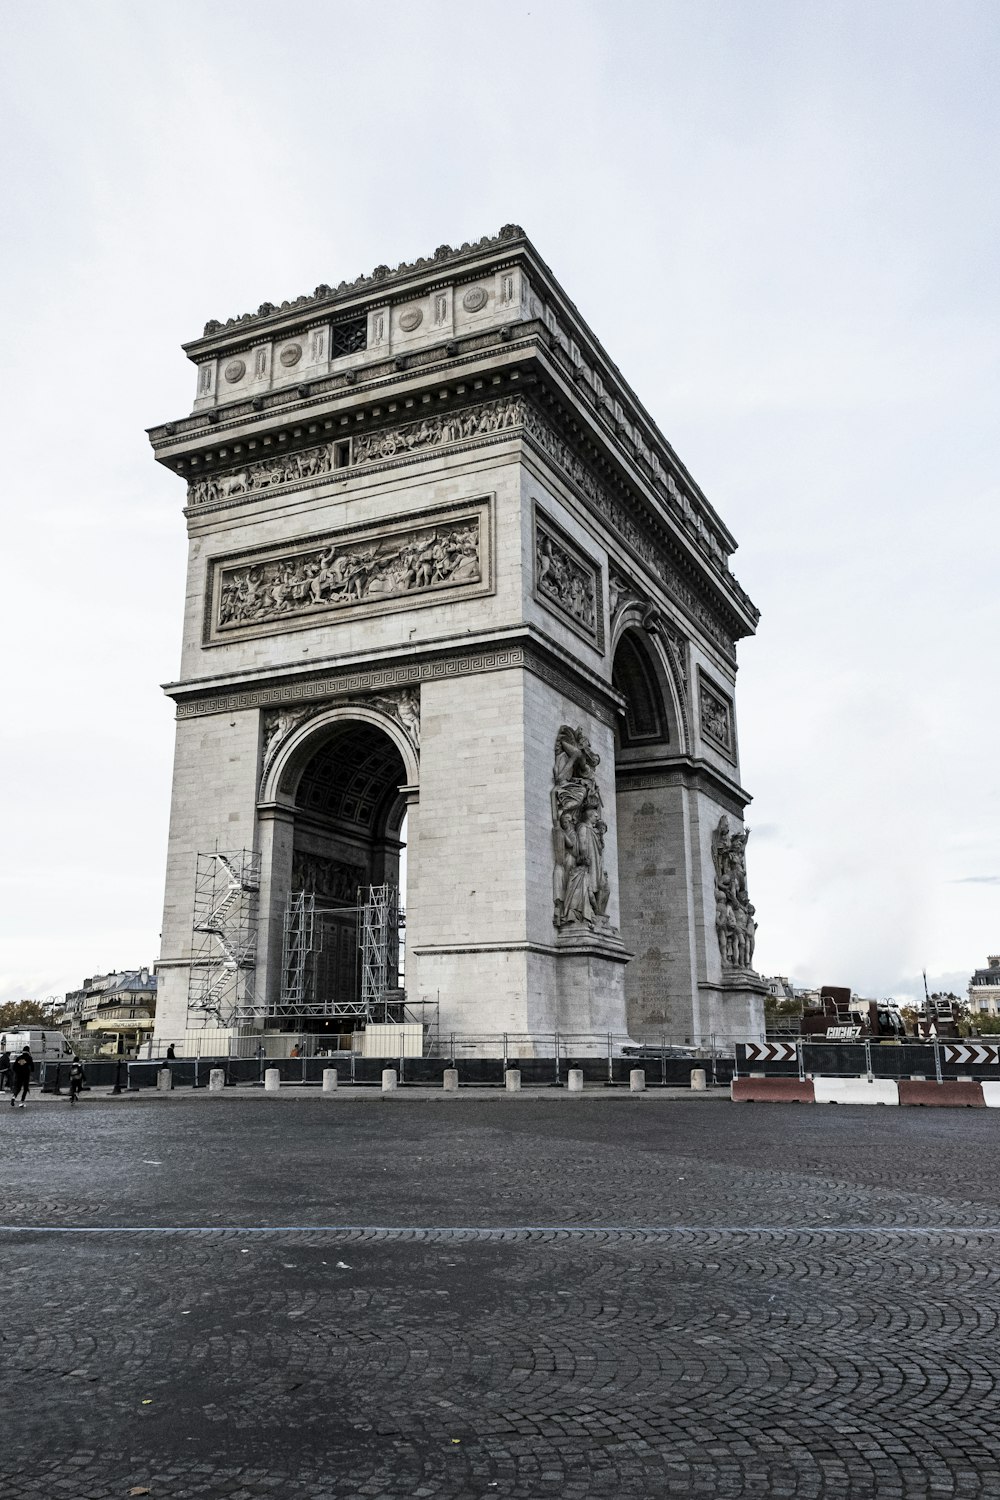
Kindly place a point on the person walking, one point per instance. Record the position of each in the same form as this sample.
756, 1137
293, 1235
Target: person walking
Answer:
75, 1080
4, 1069
21, 1070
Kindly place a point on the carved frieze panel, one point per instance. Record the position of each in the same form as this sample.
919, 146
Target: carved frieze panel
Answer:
329, 879
438, 429
567, 581
386, 445
372, 569
264, 474
716, 713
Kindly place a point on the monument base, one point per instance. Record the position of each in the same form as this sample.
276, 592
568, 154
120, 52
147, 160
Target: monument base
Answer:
730, 1009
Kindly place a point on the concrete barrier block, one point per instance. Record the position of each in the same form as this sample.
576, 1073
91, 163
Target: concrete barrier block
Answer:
772, 1091
272, 1080
575, 1080
216, 1080
949, 1095
164, 1080
637, 1080
512, 1080
389, 1080
330, 1080
856, 1091
449, 1081
699, 1081
991, 1095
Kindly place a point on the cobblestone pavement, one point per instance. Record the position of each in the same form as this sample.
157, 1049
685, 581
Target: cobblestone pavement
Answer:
563, 1298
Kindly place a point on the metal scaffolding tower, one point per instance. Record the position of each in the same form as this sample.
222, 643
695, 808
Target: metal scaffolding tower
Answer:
224, 935
316, 935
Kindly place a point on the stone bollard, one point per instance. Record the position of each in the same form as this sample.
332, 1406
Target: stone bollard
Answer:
575, 1080
637, 1081
450, 1081
389, 1080
164, 1080
512, 1080
216, 1080
698, 1079
330, 1080
272, 1080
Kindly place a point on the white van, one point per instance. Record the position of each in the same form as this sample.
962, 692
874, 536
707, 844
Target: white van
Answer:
49, 1046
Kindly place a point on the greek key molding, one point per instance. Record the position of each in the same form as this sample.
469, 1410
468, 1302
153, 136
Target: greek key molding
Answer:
336, 688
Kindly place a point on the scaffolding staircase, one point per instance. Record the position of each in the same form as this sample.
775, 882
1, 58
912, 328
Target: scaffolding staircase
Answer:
224, 935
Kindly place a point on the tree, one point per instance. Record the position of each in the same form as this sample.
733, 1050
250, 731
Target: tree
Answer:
23, 1013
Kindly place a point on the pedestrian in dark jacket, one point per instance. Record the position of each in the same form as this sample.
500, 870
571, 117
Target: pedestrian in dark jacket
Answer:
4, 1069
76, 1080
21, 1070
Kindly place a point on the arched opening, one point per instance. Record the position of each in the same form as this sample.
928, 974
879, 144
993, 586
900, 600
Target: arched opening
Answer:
633, 675
651, 861
348, 835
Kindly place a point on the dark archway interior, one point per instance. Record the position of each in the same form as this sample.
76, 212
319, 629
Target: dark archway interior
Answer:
348, 816
633, 675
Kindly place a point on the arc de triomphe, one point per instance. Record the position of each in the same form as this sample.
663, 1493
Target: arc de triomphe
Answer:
447, 582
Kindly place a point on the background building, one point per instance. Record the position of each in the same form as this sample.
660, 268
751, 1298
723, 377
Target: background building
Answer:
112, 1013
984, 988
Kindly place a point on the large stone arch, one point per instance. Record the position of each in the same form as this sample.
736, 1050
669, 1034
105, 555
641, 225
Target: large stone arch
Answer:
336, 787
642, 627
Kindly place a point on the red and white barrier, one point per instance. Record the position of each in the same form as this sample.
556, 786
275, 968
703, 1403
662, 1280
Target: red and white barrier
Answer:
952, 1093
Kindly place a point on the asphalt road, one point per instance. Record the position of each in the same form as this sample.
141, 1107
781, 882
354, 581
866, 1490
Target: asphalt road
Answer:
497, 1297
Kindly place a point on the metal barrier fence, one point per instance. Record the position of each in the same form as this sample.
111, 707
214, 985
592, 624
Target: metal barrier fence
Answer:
868, 1059
661, 1071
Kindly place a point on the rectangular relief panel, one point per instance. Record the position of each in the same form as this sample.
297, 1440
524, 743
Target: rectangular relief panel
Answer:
377, 568
567, 581
717, 718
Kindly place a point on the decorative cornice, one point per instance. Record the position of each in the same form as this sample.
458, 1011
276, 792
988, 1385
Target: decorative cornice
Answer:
382, 278
686, 771
376, 678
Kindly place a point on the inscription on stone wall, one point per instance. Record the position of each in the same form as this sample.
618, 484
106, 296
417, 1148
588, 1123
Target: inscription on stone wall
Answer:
716, 716
566, 580
399, 564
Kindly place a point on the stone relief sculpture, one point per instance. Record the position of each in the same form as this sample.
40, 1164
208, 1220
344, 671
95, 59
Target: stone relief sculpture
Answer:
329, 879
560, 578
435, 431
734, 911
308, 463
394, 442
580, 885
716, 719
401, 704
352, 572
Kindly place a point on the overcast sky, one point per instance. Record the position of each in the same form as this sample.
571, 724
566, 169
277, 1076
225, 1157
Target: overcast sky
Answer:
781, 220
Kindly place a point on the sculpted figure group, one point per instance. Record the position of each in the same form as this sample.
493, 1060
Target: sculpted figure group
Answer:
580, 885
562, 579
335, 576
734, 911
453, 427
